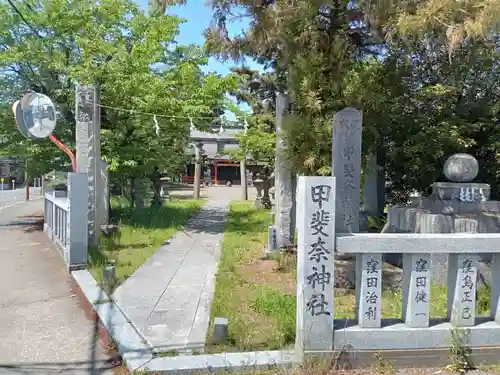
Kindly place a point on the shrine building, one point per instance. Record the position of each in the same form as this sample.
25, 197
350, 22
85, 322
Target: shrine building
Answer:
217, 166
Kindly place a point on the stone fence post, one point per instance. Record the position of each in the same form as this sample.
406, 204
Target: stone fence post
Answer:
78, 196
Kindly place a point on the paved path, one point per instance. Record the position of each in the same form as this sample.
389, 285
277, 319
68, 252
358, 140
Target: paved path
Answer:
224, 193
42, 329
168, 298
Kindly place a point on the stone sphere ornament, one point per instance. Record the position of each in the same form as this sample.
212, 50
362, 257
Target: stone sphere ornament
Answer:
461, 168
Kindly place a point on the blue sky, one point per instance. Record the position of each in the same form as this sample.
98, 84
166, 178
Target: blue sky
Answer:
198, 17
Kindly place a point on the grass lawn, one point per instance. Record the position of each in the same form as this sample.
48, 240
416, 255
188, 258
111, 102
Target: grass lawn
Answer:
258, 296
142, 232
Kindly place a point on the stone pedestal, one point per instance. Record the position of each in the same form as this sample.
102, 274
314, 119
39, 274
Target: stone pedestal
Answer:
459, 206
461, 191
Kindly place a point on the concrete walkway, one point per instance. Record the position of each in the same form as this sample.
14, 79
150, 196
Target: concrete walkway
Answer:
42, 328
168, 298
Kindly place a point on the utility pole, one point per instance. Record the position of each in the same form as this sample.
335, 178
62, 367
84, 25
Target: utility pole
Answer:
243, 179
197, 170
26, 182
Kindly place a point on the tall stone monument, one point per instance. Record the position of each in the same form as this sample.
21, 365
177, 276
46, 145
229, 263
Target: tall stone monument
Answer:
346, 168
284, 184
88, 153
315, 264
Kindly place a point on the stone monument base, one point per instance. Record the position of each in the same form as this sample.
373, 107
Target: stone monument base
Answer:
461, 191
418, 219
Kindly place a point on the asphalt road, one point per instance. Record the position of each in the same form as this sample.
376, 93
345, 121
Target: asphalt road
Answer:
43, 329
11, 197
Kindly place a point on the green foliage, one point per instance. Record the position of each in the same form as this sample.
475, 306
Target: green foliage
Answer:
458, 22
424, 74
280, 307
259, 92
141, 233
257, 145
134, 59
460, 351
376, 222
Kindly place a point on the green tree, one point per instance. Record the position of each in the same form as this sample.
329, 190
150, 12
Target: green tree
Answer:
51, 45
310, 47
259, 92
461, 22
425, 87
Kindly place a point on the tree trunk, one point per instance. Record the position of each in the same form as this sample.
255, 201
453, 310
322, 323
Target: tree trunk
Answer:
156, 184
132, 193
284, 185
381, 179
139, 193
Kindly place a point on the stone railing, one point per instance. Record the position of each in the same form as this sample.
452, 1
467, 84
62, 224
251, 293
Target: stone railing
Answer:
319, 331
417, 250
65, 220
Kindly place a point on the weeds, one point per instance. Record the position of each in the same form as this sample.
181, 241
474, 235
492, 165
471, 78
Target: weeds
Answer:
282, 308
460, 351
383, 366
286, 261
259, 296
168, 353
140, 233
376, 222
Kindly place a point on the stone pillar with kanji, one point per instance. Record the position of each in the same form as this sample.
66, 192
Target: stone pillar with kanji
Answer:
315, 264
88, 154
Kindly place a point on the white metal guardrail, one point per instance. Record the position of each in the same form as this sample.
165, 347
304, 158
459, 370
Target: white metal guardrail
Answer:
56, 209
65, 221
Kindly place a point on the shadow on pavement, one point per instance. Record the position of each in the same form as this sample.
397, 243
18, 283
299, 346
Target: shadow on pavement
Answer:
29, 223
